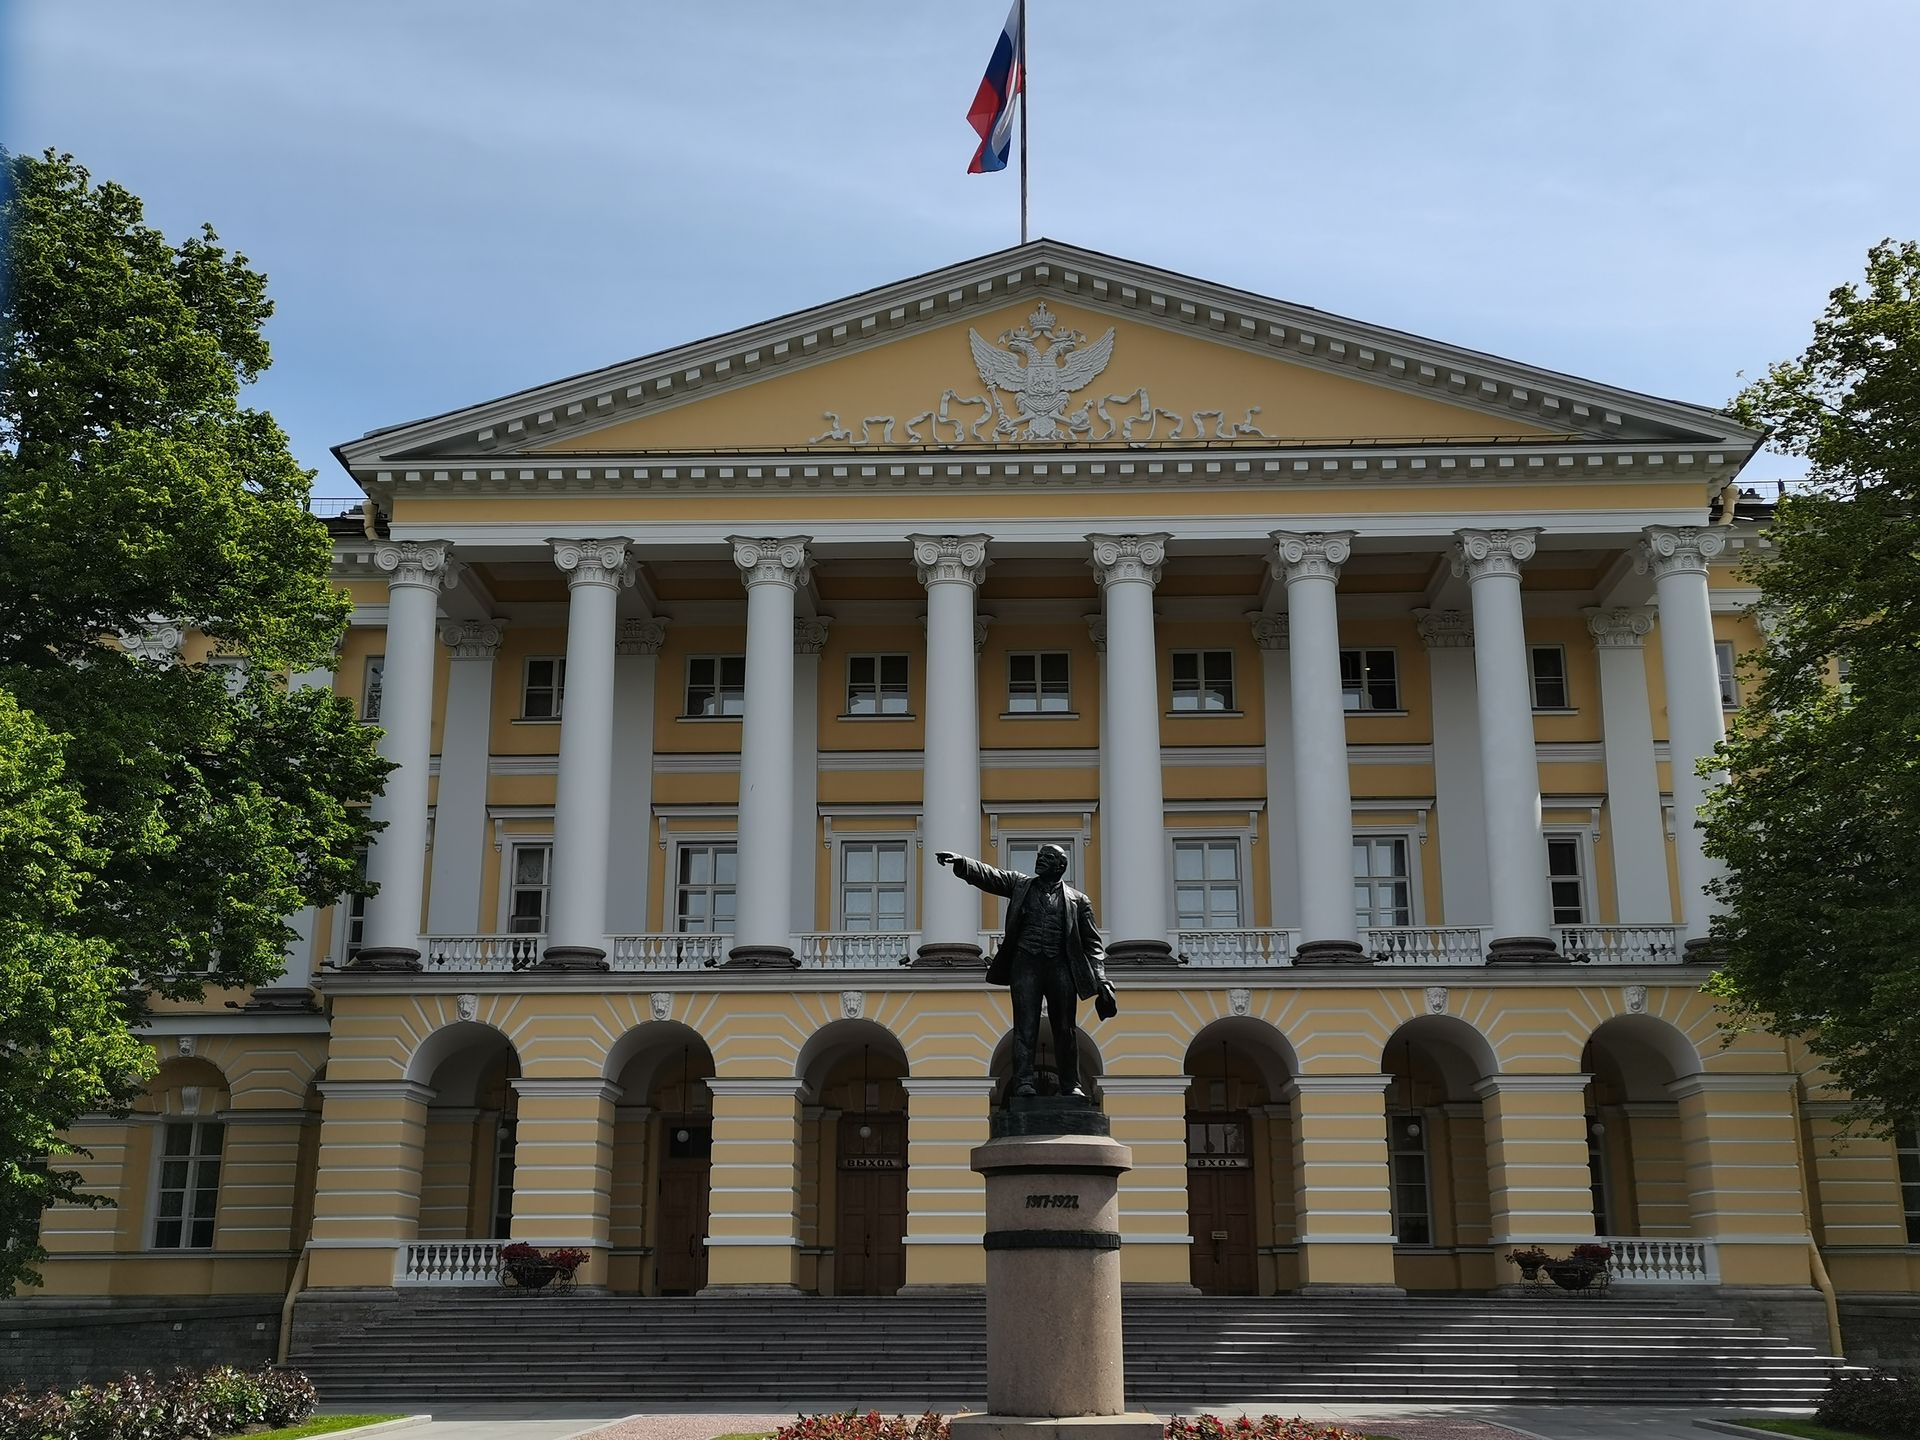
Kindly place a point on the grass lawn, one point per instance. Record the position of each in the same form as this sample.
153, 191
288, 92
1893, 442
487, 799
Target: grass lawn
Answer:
322, 1425
1804, 1429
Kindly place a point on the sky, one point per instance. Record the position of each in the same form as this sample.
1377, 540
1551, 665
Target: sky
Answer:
456, 199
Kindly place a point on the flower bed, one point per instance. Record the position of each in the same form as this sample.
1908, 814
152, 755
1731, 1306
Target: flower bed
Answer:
187, 1405
874, 1426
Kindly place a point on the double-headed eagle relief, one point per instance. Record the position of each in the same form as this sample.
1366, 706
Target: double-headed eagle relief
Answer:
1039, 386
1030, 380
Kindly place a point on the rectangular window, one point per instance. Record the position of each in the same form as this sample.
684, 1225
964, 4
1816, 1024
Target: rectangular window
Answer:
1206, 884
1566, 885
545, 688
1037, 683
357, 907
1547, 668
1412, 1197
233, 671
189, 1193
1597, 1171
1203, 680
716, 685
704, 889
527, 898
370, 688
1729, 684
873, 885
503, 1179
876, 685
1906, 1144
1370, 679
1382, 882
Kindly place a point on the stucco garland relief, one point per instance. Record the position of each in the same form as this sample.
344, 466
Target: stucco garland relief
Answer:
1029, 380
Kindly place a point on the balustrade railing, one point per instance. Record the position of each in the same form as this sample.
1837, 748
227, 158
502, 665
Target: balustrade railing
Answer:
1235, 947
1426, 945
1623, 944
855, 949
667, 952
1644, 1261
483, 953
448, 1262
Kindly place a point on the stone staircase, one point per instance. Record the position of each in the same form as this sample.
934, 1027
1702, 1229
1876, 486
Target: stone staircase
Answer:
816, 1354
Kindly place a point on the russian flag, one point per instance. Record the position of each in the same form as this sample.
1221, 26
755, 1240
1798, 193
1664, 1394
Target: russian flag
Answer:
991, 114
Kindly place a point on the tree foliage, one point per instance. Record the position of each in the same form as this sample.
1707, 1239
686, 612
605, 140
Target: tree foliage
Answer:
1822, 922
197, 805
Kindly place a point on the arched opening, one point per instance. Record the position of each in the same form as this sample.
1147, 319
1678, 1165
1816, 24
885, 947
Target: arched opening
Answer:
662, 1160
466, 1158
1240, 1209
854, 1158
1046, 1065
1437, 1153
1636, 1144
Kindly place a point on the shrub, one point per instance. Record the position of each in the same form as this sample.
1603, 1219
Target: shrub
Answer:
188, 1405
1267, 1427
871, 1426
1880, 1403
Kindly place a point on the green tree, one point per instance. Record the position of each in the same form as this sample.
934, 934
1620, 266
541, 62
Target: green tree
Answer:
136, 488
1822, 894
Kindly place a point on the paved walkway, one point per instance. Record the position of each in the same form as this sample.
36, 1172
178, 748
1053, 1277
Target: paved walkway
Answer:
1408, 1422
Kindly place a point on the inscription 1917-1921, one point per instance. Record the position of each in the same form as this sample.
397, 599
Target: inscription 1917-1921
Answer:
1053, 1202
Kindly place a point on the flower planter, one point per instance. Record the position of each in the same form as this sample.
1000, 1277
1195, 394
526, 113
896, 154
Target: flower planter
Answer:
530, 1275
1570, 1276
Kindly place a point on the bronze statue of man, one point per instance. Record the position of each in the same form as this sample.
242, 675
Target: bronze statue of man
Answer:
1051, 952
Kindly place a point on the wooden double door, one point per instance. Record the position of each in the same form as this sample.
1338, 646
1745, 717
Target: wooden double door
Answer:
870, 1221
686, 1174
1220, 1203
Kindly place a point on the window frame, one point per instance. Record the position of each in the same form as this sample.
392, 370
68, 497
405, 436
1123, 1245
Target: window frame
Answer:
877, 688
1726, 667
1361, 691
908, 842
556, 688
1599, 1174
1224, 839
513, 885
1582, 842
718, 688
194, 1158
1039, 695
1540, 707
1906, 1141
1410, 838
372, 687
679, 846
349, 911
1205, 683
1402, 1146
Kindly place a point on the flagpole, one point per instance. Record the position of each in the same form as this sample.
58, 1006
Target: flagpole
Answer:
1026, 96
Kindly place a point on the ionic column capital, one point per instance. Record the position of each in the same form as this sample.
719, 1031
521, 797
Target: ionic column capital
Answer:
1479, 554
1120, 558
158, 640
1269, 631
473, 639
1445, 629
1309, 554
427, 564
1097, 631
950, 559
594, 562
640, 637
1677, 550
772, 560
810, 635
1624, 628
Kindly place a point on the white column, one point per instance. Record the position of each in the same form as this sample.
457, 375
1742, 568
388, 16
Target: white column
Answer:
1128, 568
1309, 564
417, 571
809, 639
1678, 559
1097, 631
771, 569
630, 836
460, 813
1509, 765
951, 568
1465, 895
1639, 843
279, 992
596, 571
1283, 840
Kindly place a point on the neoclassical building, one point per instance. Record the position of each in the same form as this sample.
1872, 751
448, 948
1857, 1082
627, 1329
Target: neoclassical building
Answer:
1364, 678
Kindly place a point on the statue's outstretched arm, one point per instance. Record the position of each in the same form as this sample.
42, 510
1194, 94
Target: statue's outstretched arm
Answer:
981, 877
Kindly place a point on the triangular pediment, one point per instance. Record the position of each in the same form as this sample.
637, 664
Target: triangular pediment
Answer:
1040, 347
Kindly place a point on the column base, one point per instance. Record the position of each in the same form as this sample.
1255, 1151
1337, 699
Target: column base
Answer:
573, 957
760, 957
1330, 952
282, 1000
388, 959
949, 955
1524, 950
1139, 952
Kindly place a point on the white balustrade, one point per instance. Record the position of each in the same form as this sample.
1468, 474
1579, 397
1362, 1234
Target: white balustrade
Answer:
1426, 945
667, 952
1236, 947
483, 953
1642, 1261
1623, 944
856, 949
448, 1262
